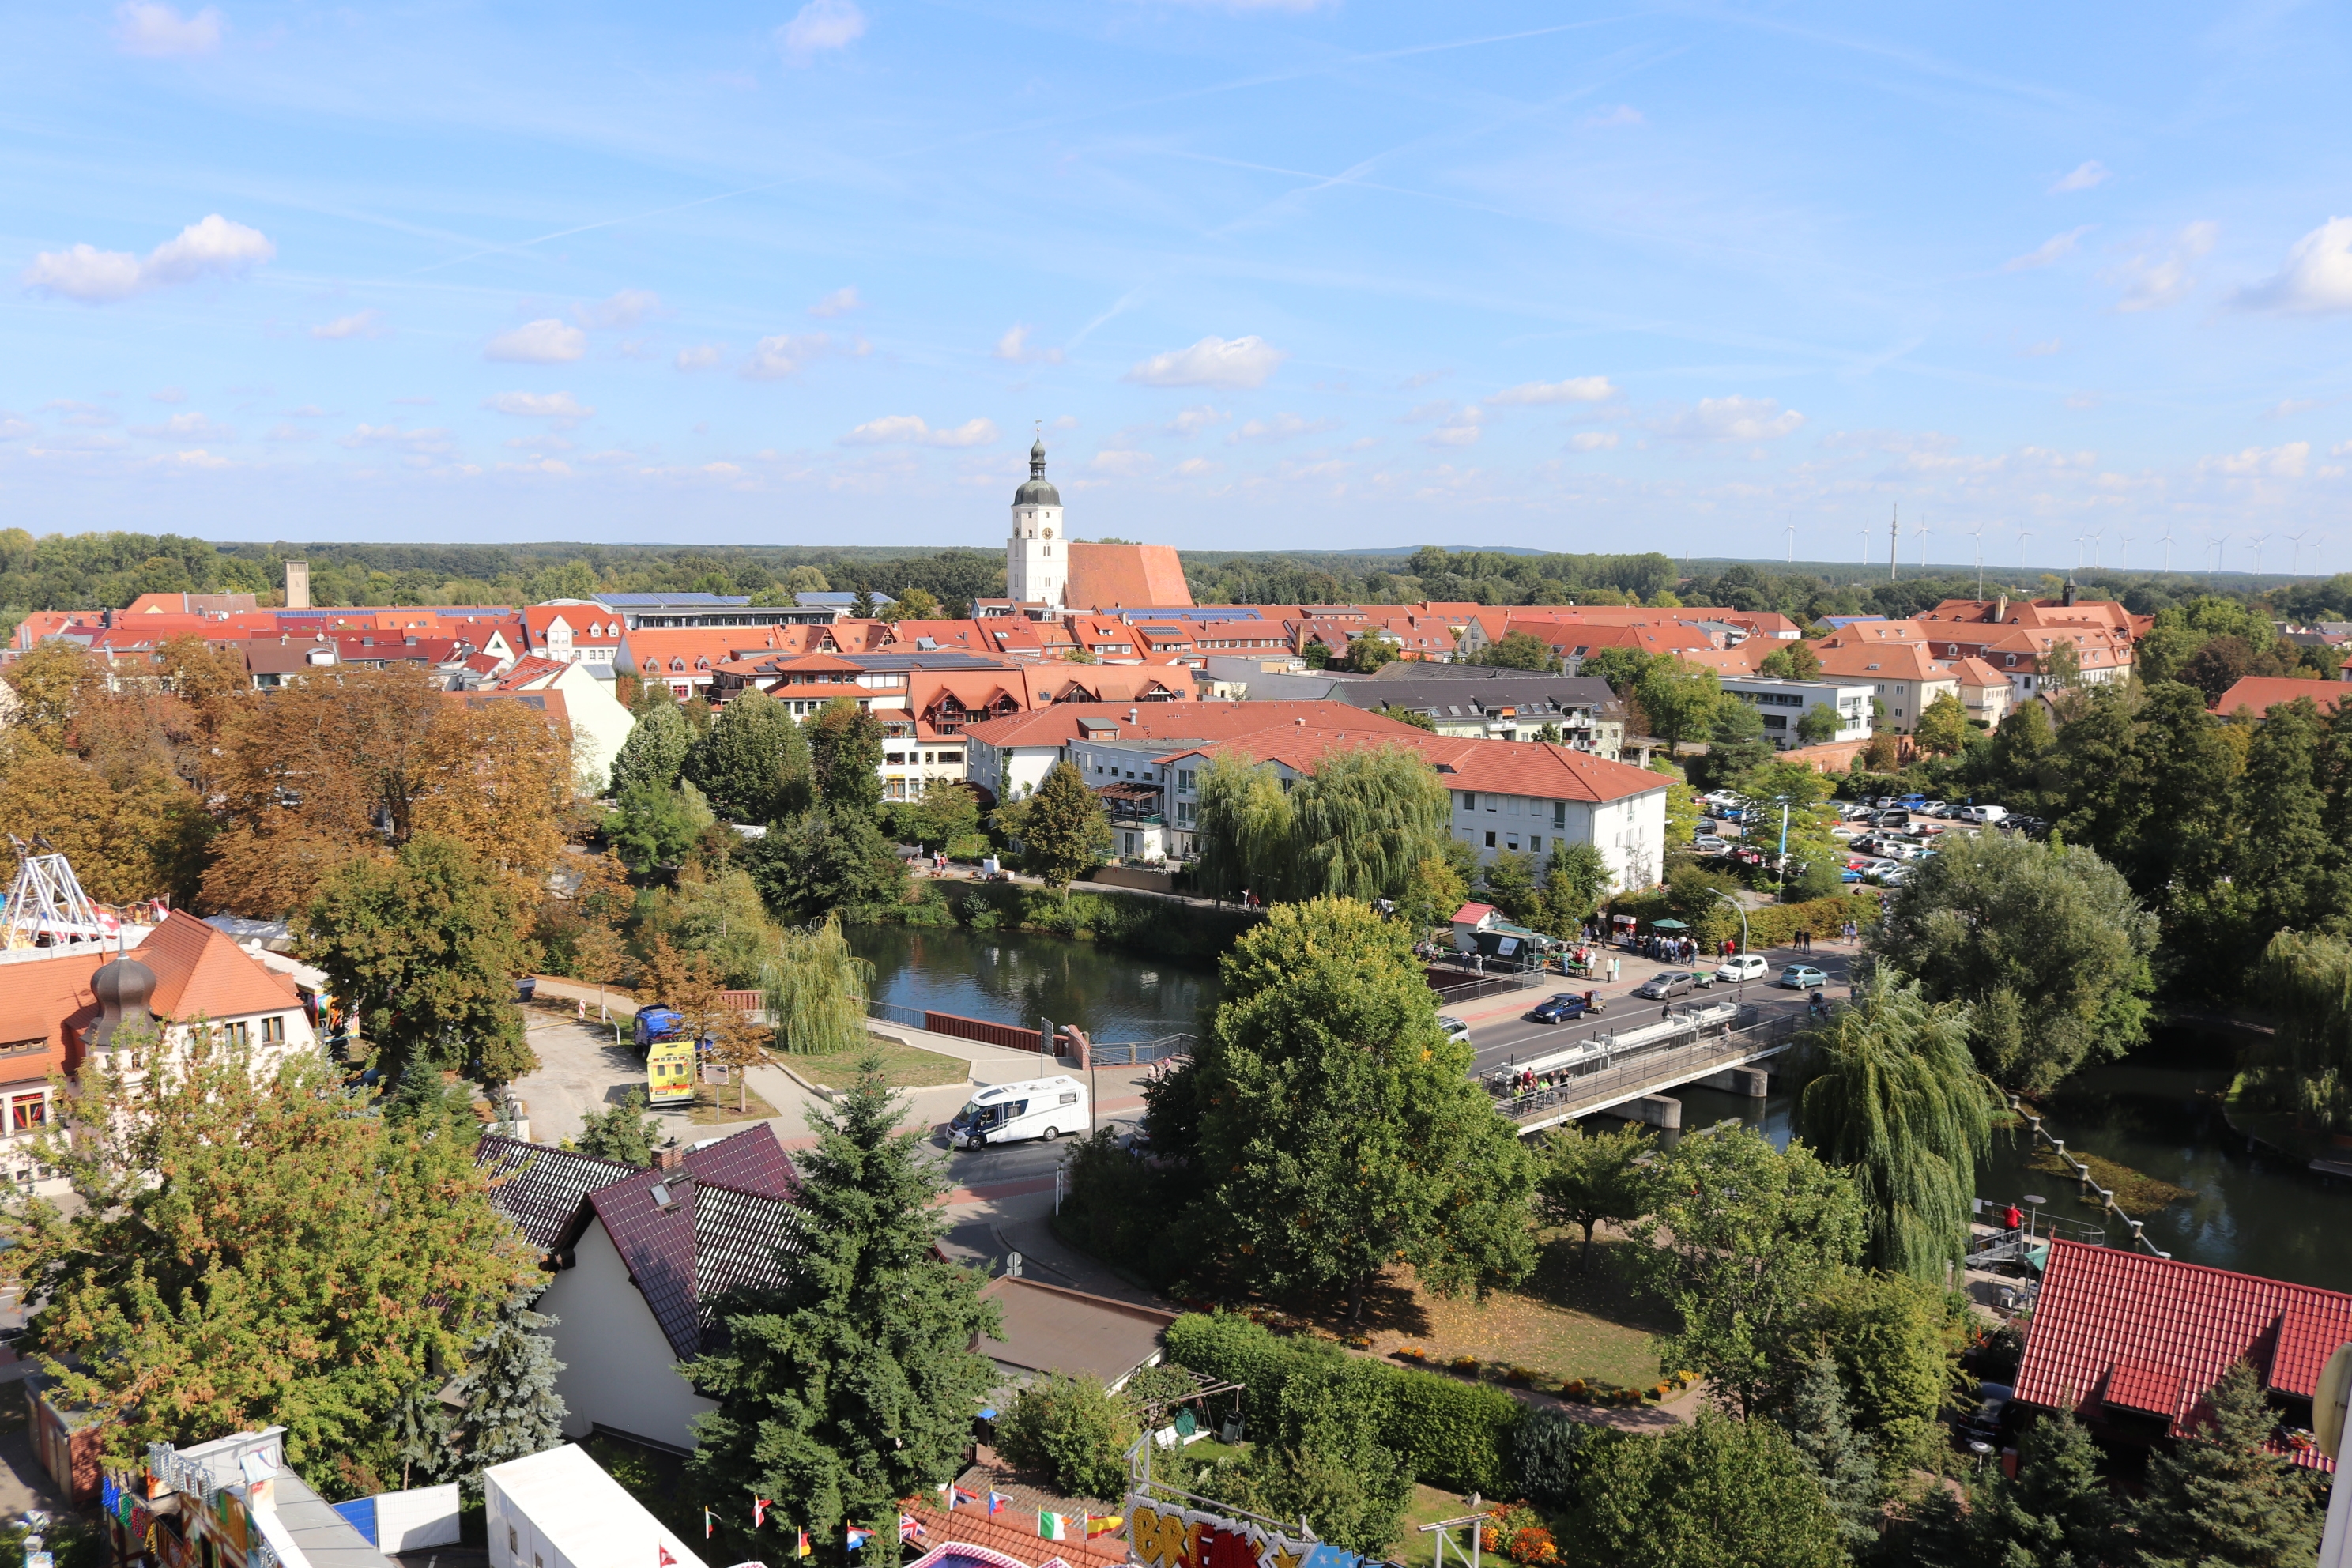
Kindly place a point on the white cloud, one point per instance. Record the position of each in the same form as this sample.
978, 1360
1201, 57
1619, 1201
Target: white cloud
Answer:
2045, 349
911, 430
1623, 114
2057, 248
14, 427
288, 433
429, 439
1733, 418
1212, 362
621, 310
1452, 435
186, 426
2285, 462
1593, 441
557, 405
783, 354
2285, 408
840, 302
89, 416
96, 277
822, 25
1193, 468
1124, 465
357, 325
169, 394
1281, 427
1576, 389
159, 31
544, 341
200, 458
2084, 177
2316, 279
701, 356
2154, 279
1015, 346
1192, 421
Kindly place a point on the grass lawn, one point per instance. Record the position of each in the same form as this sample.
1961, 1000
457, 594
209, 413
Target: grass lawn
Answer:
907, 1067
715, 1105
1428, 1506
1563, 1320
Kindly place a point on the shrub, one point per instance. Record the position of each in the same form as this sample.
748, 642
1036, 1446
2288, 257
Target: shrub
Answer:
1545, 1454
1071, 1428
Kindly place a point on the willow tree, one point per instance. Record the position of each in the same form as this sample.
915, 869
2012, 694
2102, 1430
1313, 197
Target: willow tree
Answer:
1243, 827
1361, 824
816, 990
1901, 1104
2307, 975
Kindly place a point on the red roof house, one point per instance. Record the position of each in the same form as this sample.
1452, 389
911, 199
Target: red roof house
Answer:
2125, 1339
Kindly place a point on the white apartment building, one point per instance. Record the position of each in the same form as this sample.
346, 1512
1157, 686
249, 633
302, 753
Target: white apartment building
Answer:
1782, 703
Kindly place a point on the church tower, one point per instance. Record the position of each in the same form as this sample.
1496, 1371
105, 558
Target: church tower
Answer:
1037, 557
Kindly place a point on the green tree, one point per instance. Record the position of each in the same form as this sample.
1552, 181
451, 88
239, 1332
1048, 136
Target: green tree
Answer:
1735, 743
1681, 701
1433, 889
654, 752
816, 990
1899, 1102
250, 1247
851, 1385
1509, 882
2222, 1496
1244, 828
1845, 1460
1896, 1348
1718, 1493
753, 765
2019, 746
1317, 653
2058, 1511
1943, 726
945, 812
823, 862
846, 753
507, 1407
1074, 1430
1740, 1240
1369, 653
2061, 666
1621, 668
657, 823
623, 1131
717, 911
1575, 880
1818, 725
1418, 718
1588, 1177
1516, 650
1791, 661
1063, 830
1363, 821
2047, 941
1323, 1455
423, 948
1341, 1131
2285, 858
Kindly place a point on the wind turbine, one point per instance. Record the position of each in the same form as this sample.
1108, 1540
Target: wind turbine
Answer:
2296, 540
2256, 540
1790, 529
1864, 531
2021, 536
2221, 541
2167, 547
2123, 550
1977, 535
1922, 531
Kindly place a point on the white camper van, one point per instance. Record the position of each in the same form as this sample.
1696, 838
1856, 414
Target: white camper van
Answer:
1043, 1108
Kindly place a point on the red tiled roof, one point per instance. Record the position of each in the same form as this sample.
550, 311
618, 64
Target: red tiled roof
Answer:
1015, 1536
200, 972
1105, 575
2263, 693
2153, 1334
39, 998
1470, 914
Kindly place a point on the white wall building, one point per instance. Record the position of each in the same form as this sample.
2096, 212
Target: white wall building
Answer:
1782, 703
1037, 557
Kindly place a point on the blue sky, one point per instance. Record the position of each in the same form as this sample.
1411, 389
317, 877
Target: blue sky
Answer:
1270, 275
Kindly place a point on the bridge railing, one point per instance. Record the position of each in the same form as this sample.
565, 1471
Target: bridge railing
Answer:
1627, 1078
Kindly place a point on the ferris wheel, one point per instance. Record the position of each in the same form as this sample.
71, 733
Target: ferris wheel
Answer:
46, 904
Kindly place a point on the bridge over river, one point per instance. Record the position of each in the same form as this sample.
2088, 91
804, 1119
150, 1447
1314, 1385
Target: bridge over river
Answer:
1627, 1072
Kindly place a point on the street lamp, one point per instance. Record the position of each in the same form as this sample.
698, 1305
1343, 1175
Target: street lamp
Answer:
1736, 904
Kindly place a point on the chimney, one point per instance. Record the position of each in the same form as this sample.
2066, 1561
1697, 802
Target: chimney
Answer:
2000, 609
298, 585
669, 1156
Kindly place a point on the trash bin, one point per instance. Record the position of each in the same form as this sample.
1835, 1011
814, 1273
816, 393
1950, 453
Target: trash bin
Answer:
525, 986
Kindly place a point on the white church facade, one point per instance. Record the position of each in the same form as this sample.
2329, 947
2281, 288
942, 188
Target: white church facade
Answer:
1037, 557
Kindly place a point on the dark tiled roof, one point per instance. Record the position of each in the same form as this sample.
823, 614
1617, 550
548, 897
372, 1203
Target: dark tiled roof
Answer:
752, 1162
540, 1188
2151, 1334
686, 1242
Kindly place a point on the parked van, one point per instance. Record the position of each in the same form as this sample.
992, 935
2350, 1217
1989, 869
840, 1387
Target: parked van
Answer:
1984, 814
1043, 1108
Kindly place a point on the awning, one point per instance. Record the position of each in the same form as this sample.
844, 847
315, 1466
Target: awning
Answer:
1668, 925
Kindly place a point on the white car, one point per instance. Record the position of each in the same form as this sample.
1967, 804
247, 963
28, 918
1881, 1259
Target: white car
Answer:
1456, 1029
1983, 814
1846, 832
1743, 966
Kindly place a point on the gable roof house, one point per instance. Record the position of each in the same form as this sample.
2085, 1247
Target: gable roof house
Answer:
641, 1259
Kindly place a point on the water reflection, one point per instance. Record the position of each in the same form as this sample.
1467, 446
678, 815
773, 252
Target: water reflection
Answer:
1011, 977
2158, 1112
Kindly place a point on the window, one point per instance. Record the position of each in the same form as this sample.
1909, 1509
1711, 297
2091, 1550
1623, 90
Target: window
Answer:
512, 1545
1512, 843
1559, 813
1535, 843
27, 1113
237, 1035
1184, 781
273, 1031
1467, 800
1490, 840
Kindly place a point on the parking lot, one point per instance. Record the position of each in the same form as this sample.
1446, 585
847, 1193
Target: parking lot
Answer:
1880, 839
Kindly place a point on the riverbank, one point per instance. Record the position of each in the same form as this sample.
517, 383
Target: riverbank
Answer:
1161, 926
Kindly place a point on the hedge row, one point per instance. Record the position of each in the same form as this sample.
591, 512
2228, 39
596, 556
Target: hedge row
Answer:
1454, 1435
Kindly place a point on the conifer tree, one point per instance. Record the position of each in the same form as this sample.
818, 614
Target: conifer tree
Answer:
2219, 1499
1846, 1461
1901, 1104
2057, 1512
850, 1387
510, 1409
623, 1132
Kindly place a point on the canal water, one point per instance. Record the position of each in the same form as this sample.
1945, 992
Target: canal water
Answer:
1018, 977
2160, 1112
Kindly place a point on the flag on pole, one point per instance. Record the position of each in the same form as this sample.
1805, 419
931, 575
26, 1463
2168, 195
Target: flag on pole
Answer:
667, 1560
1053, 1526
804, 1547
909, 1527
708, 1524
996, 1501
854, 1538
1103, 1525
956, 1494
760, 1507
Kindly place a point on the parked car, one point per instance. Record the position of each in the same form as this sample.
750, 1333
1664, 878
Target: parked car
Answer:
1983, 814
1561, 1007
1934, 808
1667, 983
1894, 817
1803, 977
1742, 966
1849, 875
1456, 1029
1845, 831
1708, 844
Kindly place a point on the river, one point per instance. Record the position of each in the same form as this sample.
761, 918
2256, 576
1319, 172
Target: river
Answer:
2158, 1112
1017, 977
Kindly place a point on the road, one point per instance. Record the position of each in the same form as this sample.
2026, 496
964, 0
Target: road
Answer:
1501, 1033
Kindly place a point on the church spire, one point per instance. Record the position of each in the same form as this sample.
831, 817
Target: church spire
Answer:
1037, 454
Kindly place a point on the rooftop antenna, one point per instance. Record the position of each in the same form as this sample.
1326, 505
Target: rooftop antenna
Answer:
1895, 542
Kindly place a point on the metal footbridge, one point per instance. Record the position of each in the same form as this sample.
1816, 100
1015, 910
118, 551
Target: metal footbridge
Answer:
1611, 1069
